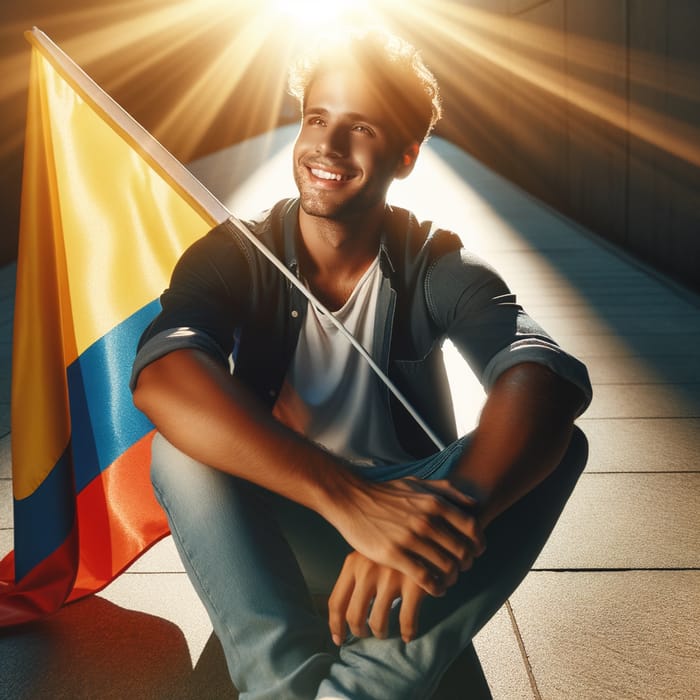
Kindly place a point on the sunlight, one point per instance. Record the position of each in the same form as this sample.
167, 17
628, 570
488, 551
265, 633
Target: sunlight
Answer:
202, 73
311, 14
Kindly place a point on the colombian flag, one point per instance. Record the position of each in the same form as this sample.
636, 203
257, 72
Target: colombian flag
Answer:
106, 212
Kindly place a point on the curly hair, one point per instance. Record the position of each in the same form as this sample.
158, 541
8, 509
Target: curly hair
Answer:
394, 71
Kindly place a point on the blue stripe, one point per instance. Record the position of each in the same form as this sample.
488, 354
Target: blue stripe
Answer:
104, 421
44, 519
104, 424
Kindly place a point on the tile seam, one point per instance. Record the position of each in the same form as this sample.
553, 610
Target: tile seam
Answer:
523, 653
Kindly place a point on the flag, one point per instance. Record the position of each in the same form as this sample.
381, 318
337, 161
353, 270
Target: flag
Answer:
105, 213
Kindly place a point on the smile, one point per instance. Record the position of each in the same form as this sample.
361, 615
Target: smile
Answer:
328, 175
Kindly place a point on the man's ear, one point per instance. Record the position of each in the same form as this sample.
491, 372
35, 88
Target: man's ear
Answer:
407, 160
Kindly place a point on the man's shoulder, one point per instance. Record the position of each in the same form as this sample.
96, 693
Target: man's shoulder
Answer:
266, 225
407, 235
272, 217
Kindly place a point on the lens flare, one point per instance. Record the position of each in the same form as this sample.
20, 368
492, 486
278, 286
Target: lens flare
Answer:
312, 14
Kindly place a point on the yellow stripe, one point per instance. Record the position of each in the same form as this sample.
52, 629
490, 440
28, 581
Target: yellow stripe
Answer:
124, 226
42, 328
103, 223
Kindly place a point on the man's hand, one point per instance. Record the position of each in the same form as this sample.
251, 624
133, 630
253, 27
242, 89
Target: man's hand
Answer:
426, 530
364, 585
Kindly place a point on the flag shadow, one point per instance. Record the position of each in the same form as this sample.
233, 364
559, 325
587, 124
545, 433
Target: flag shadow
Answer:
96, 649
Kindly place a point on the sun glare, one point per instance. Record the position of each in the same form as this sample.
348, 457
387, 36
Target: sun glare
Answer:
311, 14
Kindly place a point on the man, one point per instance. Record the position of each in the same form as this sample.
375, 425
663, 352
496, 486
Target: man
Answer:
298, 472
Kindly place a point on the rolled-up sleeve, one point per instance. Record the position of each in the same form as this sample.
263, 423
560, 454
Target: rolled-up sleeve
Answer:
204, 303
475, 309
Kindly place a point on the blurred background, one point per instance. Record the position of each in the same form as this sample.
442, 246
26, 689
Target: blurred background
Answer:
593, 106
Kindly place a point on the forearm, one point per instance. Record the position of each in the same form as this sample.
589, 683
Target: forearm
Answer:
208, 414
523, 433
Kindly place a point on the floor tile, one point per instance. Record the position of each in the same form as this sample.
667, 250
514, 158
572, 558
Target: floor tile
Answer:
166, 597
645, 401
5, 457
638, 370
644, 345
162, 557
5, 503
649, 444
501, 659
620, 521
612, 635
622, 325
6, 542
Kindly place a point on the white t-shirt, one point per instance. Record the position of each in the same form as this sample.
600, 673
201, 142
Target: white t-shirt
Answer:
331, 394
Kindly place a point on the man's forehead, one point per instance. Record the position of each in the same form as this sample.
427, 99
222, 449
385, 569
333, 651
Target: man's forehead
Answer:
343, 89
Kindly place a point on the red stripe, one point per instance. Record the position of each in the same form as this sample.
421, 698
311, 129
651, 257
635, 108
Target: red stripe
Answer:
117, 519
43, 590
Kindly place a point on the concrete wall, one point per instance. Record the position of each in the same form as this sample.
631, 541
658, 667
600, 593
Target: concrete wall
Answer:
593, 106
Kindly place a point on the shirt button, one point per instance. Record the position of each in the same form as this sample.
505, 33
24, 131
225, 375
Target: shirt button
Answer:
295, 313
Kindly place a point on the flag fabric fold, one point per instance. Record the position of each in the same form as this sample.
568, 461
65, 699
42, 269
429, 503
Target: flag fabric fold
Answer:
106, 212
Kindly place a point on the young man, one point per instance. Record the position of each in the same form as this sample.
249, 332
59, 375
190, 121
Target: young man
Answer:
298, 472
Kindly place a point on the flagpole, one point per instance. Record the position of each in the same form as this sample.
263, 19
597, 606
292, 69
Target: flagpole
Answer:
191, 189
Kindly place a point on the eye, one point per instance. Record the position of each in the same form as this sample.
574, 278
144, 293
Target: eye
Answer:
315, 121
363, 129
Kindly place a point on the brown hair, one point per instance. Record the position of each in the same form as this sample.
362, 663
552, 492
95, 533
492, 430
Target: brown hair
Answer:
394, 70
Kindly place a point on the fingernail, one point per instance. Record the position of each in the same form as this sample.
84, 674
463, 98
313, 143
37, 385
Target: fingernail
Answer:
337, 640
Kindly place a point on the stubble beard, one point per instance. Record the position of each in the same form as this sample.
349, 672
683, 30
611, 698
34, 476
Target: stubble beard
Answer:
320, 204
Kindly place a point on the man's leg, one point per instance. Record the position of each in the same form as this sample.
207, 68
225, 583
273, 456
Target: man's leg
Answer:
276, 644
367, 668
371, 668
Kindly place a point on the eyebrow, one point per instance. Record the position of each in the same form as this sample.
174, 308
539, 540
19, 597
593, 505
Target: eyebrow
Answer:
353, 116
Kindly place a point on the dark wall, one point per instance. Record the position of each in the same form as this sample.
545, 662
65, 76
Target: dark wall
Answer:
591, 105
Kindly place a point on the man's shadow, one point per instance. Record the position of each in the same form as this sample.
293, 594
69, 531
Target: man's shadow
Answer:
93, 649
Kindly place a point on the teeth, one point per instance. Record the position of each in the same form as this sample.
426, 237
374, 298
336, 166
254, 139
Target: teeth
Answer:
325, 175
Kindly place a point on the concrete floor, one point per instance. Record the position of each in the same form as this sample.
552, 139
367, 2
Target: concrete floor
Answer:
610, 609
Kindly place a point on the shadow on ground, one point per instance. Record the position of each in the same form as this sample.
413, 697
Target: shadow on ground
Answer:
96, 649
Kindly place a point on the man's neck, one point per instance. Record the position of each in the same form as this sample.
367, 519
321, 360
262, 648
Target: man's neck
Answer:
333, 255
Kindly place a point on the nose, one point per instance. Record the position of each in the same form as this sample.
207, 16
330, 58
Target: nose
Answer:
334, 142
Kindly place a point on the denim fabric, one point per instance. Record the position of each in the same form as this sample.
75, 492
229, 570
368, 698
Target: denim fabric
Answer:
255, 558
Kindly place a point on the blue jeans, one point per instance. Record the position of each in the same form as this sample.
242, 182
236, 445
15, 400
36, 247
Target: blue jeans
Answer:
256, 559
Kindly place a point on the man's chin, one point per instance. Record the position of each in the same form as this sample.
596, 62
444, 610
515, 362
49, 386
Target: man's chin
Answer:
322, 210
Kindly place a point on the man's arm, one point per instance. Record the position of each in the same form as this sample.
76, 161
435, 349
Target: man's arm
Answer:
523, 432
416, 528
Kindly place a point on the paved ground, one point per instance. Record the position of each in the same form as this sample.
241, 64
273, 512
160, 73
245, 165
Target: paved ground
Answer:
610, 609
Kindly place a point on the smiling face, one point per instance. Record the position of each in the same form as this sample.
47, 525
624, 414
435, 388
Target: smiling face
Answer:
345, 156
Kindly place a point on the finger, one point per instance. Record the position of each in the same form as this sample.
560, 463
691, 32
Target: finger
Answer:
338, 604
408, 615
381, 607
456, 532
358, 607
440, 545
420, 572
